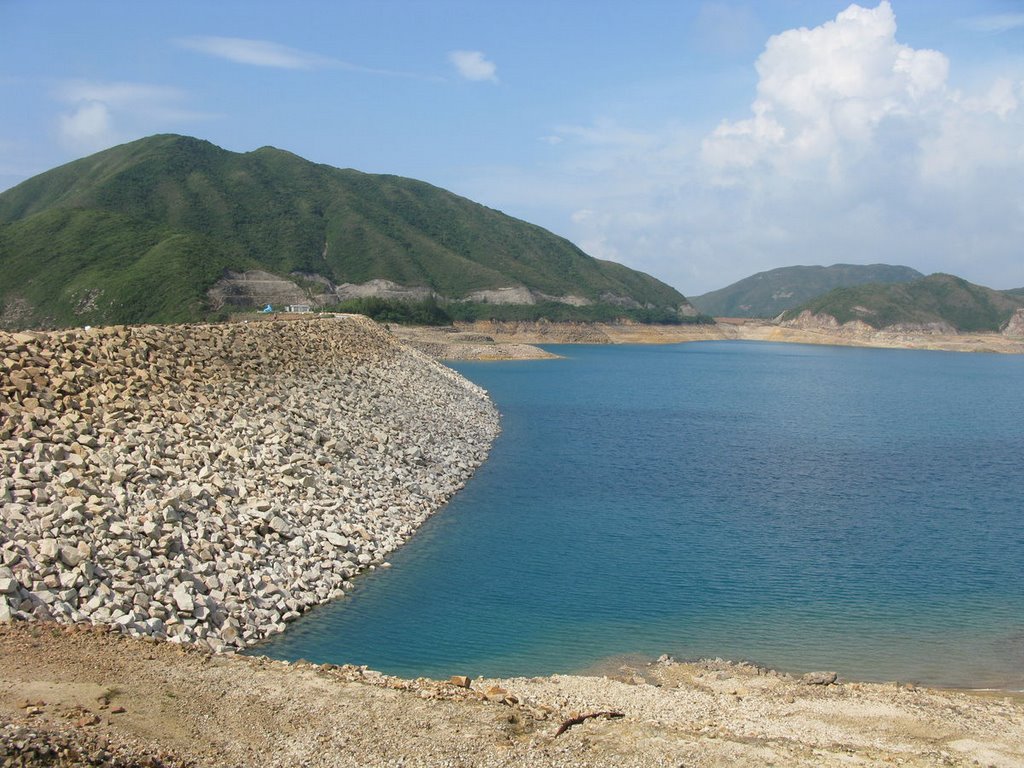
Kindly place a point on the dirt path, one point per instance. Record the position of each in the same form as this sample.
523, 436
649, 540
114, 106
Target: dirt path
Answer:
186, 707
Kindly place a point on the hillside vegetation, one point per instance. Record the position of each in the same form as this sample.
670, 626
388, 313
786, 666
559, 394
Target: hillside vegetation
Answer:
768, 294
936, 299
143, 231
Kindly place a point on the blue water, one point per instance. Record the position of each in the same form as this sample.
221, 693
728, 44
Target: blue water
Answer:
803, 507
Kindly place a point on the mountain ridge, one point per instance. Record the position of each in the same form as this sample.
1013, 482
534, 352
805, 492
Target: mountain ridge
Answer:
767, 294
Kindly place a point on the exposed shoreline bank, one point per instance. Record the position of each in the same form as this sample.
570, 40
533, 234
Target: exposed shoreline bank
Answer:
492, 340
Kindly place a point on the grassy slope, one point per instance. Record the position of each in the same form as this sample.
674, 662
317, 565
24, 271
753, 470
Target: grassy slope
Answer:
94, 222
64, 259
936, 298
767, 294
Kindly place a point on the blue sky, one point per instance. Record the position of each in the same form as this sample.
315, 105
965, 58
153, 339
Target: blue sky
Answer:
697, 141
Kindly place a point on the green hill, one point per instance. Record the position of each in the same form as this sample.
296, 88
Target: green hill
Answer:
768, 294
937, 298
162, 229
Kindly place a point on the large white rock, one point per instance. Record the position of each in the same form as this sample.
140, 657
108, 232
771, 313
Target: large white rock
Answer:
183, 599
48, 548
336, 539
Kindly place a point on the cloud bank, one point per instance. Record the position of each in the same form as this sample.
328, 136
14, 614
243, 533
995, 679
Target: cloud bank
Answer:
855, 148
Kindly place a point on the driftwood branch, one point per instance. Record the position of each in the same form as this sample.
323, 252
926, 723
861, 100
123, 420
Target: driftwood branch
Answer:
582, 718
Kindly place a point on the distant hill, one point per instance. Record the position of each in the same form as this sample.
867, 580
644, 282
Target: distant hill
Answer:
768, 294
172, 228
938, 300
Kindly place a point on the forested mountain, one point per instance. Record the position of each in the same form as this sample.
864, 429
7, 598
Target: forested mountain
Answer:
169, 228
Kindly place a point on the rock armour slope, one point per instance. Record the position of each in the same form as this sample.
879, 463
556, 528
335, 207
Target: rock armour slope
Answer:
209, 484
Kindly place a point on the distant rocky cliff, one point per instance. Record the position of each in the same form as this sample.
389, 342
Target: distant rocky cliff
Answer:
807, 320
1015, 325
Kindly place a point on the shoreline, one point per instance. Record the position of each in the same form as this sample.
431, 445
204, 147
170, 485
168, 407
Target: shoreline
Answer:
100, 693
621, 666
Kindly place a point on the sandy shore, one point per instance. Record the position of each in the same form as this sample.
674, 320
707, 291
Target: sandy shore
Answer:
138, 700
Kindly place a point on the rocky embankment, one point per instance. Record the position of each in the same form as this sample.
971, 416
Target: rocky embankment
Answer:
209, 484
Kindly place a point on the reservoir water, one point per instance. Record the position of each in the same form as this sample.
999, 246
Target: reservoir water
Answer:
802, 507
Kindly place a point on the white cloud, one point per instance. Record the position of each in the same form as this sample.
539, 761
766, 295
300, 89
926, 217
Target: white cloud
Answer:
88, 127
824, 95
100, 114
999, 22
856, 148
259, 53
473, 65
264, 53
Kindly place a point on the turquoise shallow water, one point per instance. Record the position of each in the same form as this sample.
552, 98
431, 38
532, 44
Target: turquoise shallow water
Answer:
799, 506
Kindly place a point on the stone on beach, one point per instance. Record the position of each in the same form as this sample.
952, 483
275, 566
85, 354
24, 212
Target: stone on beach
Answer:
819, 678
